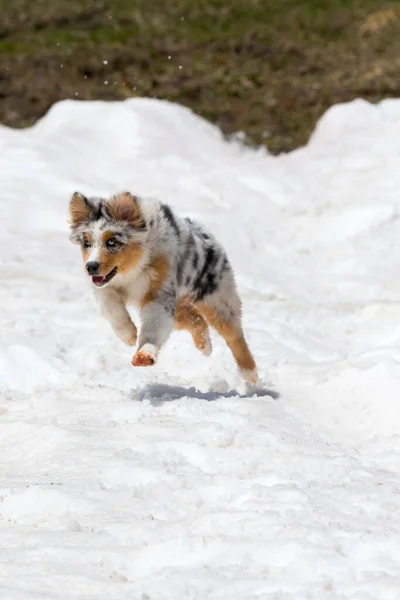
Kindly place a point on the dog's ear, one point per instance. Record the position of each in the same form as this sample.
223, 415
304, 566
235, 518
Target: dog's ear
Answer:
125, 207
79, 209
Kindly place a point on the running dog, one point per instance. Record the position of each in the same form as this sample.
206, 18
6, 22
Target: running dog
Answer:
137, 251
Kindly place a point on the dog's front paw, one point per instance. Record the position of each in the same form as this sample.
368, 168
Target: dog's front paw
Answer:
128, 335
145, 357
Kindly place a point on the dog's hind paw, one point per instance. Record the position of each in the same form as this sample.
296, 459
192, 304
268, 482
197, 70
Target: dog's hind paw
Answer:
206, 347
249, 375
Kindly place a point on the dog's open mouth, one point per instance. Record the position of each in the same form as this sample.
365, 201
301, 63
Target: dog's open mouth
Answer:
99, 280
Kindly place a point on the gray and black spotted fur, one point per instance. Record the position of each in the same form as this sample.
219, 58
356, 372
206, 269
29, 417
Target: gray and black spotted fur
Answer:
201, 262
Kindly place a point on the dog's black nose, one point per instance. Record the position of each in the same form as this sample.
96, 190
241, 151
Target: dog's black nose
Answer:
92, 267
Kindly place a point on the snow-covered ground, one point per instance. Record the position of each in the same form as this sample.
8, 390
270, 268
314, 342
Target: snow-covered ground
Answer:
176, 482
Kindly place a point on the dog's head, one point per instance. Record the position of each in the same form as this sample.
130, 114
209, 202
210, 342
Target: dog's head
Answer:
111, 234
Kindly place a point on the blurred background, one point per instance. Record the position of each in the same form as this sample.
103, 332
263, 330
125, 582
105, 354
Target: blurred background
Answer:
265, 68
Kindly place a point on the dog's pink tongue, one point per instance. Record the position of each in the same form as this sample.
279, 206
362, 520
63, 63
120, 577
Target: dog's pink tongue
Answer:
97, 279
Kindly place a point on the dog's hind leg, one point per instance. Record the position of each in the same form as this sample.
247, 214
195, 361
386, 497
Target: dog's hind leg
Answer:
222, 310
188, 318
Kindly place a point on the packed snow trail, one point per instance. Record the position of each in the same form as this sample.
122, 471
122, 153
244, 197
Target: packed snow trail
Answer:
177, 482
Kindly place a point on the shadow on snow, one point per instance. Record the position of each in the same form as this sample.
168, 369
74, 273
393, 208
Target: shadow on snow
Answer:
158, 393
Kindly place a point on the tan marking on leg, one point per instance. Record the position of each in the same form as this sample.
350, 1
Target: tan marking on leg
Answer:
233, 335
157, 273
188, 318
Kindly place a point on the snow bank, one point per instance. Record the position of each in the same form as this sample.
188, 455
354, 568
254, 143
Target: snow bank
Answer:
176, 482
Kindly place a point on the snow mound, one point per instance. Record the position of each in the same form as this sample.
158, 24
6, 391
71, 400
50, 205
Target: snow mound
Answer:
177, 481
22, 368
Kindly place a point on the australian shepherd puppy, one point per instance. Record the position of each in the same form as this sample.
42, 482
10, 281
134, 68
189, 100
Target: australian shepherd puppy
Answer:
137, 251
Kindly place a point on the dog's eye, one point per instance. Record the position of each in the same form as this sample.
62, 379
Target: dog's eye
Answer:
86, 244
111, 243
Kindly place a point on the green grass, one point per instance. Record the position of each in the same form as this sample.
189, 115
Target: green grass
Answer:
268, 68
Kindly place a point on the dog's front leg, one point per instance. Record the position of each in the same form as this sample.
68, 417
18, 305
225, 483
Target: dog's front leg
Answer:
157, 319
113, 308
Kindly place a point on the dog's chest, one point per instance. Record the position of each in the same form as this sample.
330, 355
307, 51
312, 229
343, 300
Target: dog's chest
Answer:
137, 288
